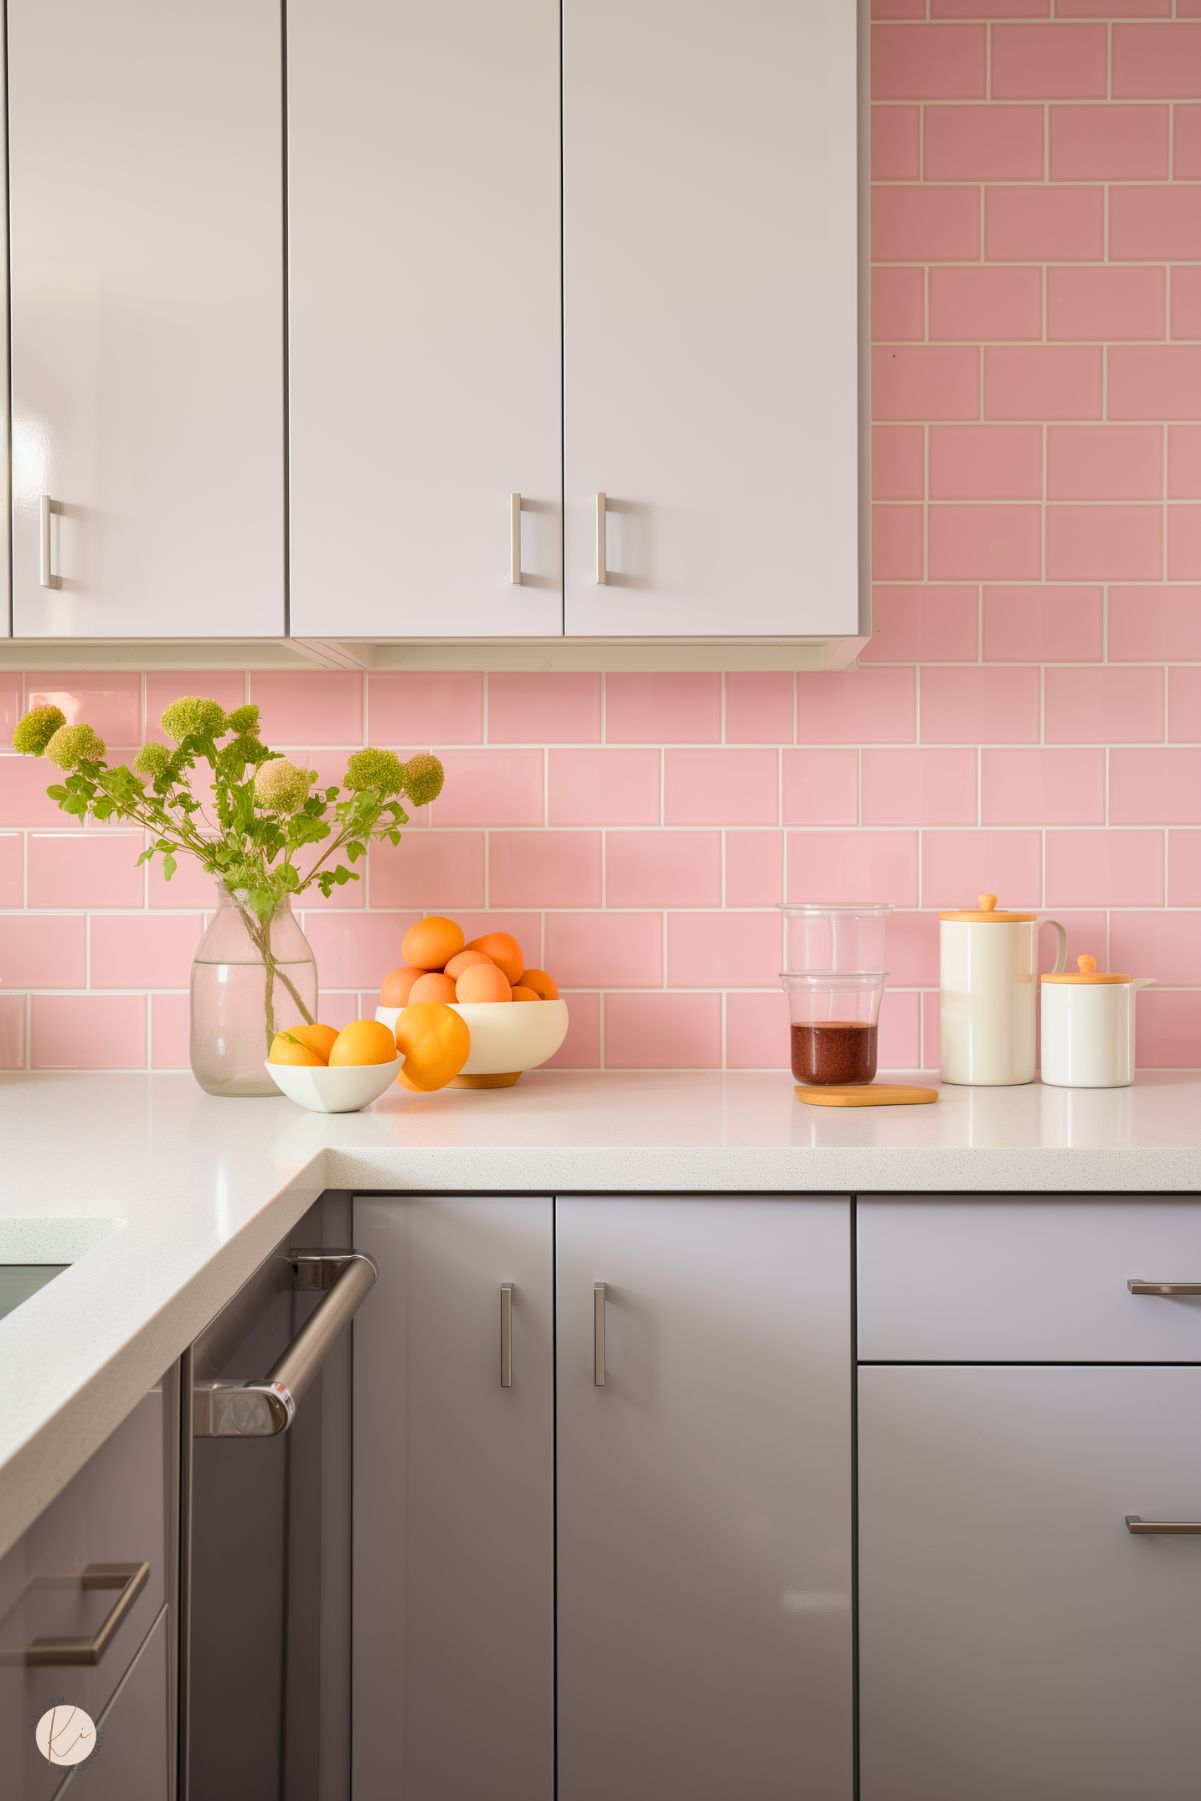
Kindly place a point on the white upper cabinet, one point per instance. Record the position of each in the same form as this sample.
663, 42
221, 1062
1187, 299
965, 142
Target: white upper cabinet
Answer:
146, 242
424, 319
710, 204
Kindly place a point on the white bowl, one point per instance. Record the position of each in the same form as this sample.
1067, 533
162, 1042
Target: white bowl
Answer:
341, 1090
507, 1038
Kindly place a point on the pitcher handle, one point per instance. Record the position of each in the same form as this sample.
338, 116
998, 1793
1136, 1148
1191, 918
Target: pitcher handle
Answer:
1061, 946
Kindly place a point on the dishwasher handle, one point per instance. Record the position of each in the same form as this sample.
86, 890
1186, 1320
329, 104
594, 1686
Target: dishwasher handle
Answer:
233, 1409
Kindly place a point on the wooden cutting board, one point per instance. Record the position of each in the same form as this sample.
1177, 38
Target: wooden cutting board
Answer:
868, 1094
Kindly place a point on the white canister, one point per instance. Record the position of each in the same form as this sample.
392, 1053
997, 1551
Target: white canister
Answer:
988, 977
1088, 1027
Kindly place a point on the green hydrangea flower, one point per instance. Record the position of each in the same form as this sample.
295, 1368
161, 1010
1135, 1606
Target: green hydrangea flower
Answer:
378, 769
193, 714
34, 732
242, 720
72, 745
423, 779
281, 786
248, 747
151, 760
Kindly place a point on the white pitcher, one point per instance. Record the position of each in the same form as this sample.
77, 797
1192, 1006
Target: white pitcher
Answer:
988, 974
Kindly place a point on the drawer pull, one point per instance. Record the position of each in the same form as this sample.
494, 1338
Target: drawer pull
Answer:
602, 555
506, 1335
598, 1335
1165, 1528
84, 1652
1169, 1290
515, 540
46, 509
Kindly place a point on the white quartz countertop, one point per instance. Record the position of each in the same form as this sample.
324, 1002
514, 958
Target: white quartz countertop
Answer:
204, 1189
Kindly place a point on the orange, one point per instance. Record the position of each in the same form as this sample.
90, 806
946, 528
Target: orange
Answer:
287, 1048
363, 1041
504, 951
525, 994
464, 960
434, 1041
482, 982
319, 1038
544, 986
432, 986
432, 942
394, 989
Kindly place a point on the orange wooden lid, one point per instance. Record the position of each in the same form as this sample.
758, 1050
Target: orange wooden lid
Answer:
1086, 971
988, 912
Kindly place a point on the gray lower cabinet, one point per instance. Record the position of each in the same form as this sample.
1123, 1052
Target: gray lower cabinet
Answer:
1015, 1638
133, 1755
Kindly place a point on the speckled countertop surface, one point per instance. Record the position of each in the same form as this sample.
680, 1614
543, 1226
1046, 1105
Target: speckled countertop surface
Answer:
205, 1189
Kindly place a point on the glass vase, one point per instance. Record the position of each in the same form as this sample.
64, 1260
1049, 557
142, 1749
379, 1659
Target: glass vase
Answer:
251, 978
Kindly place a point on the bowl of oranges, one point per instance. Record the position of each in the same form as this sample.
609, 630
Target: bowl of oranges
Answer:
329, 1071
515, 1015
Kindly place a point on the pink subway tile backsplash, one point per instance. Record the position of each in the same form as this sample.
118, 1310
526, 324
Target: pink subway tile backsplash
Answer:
898, 304
663, 869
1042, 787
1042, 382
605, 950
1154, 785
111, 704
491, 787
896, 147
424, 708
86, 869
1186, 143
432, 872
143, 950
541, 707
544, 869
1184, 462
984, 143
13, 1008
88, 1031
1184, 544
987, 301
757, 1031
918, 787
754, 863
1034, 224
310, 706
820, 787
1103, 705
759, 707
1043, 624
959, 866
663, 709
1113, 302
723, 950
604, 787
1109, 143
985, 543
898, 462
925, 224
1166, 946
923, 625
1153, 222
1104, 462
1168, 1030
1105, 868
1091, 543
897, 546
707, 787
1154, 381
12, 868
986, 462
170, 1030
1184, 869
926, 382
864, 706
970, 706
849, 866
939, 62
1157, 62
1049, 62
663, 1031
1159, 625
1186, 302
1184, 706
42, 950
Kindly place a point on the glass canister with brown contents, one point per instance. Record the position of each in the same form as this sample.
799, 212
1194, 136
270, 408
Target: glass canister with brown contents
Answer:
833, 1022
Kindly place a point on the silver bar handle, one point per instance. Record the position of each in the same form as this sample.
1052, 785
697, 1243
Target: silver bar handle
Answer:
1168, 1290
1163, 1528
128, 1579
602, 569
231, 1409
506, 1335
515, 540
599, 1293
46, 508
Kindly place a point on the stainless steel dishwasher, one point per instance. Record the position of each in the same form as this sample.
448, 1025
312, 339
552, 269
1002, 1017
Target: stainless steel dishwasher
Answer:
266, 1577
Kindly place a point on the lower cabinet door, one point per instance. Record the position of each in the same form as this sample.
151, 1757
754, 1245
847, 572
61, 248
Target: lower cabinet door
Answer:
704, 1524
1016, 1640
454, 1502
132, 1760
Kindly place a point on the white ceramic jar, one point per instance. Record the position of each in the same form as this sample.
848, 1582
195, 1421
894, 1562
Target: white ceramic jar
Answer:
1088, 1027
988, 979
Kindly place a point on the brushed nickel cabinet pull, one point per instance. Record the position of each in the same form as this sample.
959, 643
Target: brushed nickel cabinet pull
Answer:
84, 1652
602, 570
1167, 1289
598, 1335
515, 540
1162, 1528
506, 1335
46, 508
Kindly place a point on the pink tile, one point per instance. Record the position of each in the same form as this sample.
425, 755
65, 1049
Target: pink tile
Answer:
1155, 625
88, 1031
12, 1031
543, 707
853, 866
357, 950
42, 950
1186, 303
1154, 381
930, 1011
1116, 9
170, 1031
1146, 222
111, 704
754, 868
190, 886
420, 707
1043, 625
1042, 787
143, 950
988, 301
1113, 302
922, 625
759, 707
898, 462
1161, 944
958, 866
1104, 543
544, 869
12, 864
990, 705
724, 950
581, 1047
911, 951
1036, 224
757, 1031
899, 1036
919, 787
1184, 544
603, 787
1186, 144
927, 382
1155, 787
897, 553
605, 950
898, 9
428, 871
986, 462
663, 709
1104, 462
309, 706
925, 224
1184, 869
990, 9
855, 706
1184, 462
1038, 382
711, 787
226, 686
663, 869
936, 62
10, 704
491, 787
1109, 143
1104, 869
898, 304
1103, 706
1156, 62
1049, 62
85, 869
984, 143
821, 787
989, 543
1184, 706
896, 143
1168, 1030
662, 1031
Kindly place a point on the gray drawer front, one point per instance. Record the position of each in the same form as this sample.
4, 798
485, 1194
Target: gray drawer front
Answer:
132, 1762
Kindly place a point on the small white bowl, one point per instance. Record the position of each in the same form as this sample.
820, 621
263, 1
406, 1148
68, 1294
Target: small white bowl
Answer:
341, 1090
507, 1038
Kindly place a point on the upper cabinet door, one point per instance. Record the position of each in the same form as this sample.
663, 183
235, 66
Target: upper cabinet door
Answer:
710, 318
424, 318
147, 318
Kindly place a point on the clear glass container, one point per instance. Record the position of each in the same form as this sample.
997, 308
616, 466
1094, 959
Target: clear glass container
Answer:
821, 935
833, 1018
250, 979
